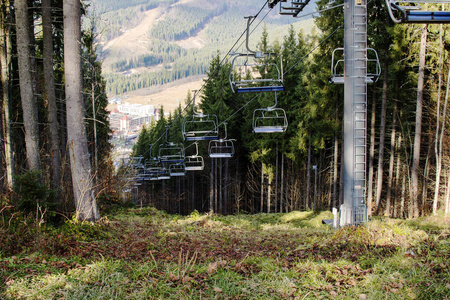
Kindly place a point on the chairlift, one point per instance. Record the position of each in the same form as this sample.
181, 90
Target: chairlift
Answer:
199, 126
171, 152
132, 168
221, 148
134, 162
373, 67
194, 162
164, 174
411, 11
269, 120
252, 71
176, 170
294, 8
153, 169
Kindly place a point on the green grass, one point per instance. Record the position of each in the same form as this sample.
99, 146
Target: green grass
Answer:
148, 254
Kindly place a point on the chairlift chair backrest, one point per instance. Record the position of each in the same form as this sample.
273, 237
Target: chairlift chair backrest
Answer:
270, 120
412, 12
199, 126
373, 66
294, 8
171, 153
153, 169
194, 162
221, 148
246, 68
165, 175
177, 169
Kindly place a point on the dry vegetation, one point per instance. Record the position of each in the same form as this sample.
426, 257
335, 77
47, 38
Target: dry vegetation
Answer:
147, 254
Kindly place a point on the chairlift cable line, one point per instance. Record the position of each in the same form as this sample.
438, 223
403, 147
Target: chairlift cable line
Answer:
251, 100
217, 68
220, 64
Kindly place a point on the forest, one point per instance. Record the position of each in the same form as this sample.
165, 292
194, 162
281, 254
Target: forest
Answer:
247, 222
301, 168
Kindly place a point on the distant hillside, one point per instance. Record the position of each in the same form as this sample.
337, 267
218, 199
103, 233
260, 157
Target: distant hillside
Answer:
145, 43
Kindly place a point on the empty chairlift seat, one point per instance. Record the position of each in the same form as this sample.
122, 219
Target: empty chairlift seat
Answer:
199, 126
373, 67
177, 169
194, 162
171, 153
153, 169
256, 71
416, 11
270, 120
221, 148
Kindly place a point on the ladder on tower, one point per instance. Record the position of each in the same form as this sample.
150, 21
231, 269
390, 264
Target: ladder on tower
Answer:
360, 113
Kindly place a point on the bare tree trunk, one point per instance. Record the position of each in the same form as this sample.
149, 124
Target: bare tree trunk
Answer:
29, 105
5, 62
425, 180
397, 172
50, 94
341, 174
262, 187
225, 190
380, 171
269, 191
86, 206
211, 187
440, 149
282, 183
220, 186
276, 181
371, 155
216, 196
418, 126
335, 165
308, 175
391, 163
447, 195
403, 195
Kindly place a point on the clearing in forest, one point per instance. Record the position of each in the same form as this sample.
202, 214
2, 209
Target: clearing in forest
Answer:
148, 254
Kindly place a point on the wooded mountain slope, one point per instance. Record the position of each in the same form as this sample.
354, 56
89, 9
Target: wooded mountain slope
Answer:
148, 43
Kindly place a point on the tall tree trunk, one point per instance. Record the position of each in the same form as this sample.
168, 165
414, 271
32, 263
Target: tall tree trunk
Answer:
371, 154
391, 163
380, 170
397, 174
262, 187
211, 187
225, 190
5, 62
440, 148
220, 186
269, 192
403, 194
29, 105
418, 125
282, 183
335, 164
447, 195
52, 115
86, 206
308, 175
276, 181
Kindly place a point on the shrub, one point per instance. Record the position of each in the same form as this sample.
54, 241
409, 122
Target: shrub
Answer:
34, 198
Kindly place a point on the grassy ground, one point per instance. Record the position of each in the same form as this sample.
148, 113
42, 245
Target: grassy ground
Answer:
147, 254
